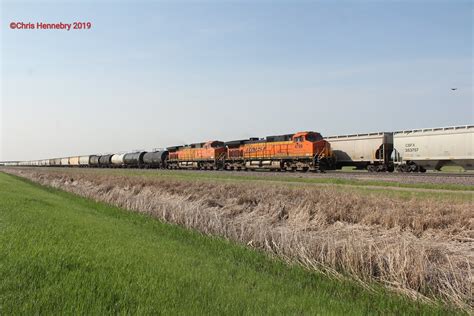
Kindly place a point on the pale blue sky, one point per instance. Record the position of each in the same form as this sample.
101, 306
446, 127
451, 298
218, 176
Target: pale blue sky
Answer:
153, 74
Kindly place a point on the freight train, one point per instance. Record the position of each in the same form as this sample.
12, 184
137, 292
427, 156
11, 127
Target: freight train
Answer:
405, 151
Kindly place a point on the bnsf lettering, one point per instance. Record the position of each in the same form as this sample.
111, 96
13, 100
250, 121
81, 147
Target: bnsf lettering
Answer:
254, 149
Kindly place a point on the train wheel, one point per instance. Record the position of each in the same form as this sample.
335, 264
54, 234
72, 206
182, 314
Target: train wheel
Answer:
381, 168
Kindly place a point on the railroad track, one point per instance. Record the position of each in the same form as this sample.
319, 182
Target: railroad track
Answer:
428, 178
429, 174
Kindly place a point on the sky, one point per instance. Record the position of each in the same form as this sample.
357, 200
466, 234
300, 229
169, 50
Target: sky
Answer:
151, 74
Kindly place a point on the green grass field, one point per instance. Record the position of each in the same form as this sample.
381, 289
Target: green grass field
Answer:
60, 253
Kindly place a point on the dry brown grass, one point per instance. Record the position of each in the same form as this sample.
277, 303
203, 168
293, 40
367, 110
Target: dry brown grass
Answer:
423, 248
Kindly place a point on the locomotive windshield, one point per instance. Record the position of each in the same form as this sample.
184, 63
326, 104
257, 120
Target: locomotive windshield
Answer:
313, 137
217, 144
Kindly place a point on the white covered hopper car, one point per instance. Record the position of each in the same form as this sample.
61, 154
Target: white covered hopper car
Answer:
432, 148
371, 151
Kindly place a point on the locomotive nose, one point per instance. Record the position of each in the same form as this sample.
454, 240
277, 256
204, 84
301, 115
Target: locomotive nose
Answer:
321, 147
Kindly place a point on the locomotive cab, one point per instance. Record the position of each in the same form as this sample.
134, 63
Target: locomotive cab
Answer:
307, 136
214, 144
312, 144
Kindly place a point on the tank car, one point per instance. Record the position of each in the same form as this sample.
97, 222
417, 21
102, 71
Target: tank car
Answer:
105, 161
94, 161
134, 159
156, 159
117, 160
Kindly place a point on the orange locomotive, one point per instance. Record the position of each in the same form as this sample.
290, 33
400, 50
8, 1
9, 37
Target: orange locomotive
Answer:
302, 151
210, 155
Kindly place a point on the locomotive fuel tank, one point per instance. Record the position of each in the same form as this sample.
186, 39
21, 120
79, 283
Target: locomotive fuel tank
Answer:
265, 164
188, 164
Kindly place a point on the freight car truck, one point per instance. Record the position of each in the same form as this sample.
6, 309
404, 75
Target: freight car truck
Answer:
417, 150
371, 151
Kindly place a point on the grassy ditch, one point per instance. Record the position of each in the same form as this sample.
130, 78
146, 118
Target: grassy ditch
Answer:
419, 246
60, 253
